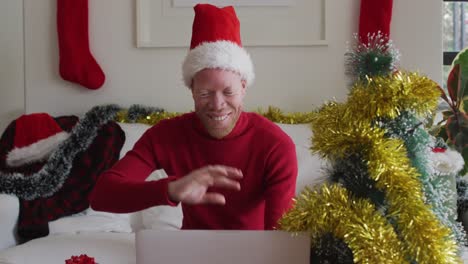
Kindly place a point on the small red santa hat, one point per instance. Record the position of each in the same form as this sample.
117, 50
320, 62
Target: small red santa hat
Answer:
216, 44
375, 16
36, 136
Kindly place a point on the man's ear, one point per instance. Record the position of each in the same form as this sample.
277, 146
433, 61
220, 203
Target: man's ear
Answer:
191, 91
244, 87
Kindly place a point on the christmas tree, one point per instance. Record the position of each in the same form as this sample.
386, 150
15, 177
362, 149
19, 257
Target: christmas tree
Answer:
388, 198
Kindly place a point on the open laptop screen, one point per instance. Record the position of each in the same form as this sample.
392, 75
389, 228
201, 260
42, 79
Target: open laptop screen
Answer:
221, 247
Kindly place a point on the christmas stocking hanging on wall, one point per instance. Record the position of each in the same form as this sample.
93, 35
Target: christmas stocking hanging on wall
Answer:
77, 64
375, 16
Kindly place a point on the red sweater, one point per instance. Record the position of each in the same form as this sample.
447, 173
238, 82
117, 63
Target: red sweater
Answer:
265, 154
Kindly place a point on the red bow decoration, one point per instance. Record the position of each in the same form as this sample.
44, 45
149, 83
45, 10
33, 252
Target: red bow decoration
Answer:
81, 259
438, 150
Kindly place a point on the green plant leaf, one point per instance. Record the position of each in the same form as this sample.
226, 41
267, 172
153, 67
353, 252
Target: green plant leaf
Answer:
438, 131
443, 133
462, 60
464, 104
457, 130
462, 120
461, 141
447, 114
452, 128
464, 84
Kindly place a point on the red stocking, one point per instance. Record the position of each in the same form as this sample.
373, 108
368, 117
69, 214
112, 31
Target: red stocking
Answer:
77, 64
375, 16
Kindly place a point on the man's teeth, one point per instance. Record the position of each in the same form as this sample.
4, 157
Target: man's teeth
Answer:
220, 118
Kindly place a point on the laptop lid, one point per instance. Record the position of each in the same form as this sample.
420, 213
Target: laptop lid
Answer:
221, 247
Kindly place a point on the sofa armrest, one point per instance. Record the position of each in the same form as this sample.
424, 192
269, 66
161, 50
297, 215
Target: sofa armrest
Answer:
9, 211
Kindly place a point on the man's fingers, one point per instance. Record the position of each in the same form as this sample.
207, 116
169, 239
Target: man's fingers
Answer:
220, 170
213, 198
224, 182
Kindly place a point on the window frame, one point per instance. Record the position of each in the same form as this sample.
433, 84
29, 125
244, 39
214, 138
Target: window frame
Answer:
450, 55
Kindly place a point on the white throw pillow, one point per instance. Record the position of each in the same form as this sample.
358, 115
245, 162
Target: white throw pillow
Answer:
161, 217
91, 221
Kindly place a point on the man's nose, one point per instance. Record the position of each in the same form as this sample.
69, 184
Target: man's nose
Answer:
218, 101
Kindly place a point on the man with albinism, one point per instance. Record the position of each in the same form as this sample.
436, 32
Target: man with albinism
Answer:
230, 169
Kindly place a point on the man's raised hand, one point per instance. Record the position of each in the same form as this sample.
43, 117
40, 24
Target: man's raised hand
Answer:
193, 187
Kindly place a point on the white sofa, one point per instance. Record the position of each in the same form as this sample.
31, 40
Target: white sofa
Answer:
109, 238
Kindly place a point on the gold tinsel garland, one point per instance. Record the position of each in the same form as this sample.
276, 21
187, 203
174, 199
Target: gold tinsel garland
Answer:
149, 119
387, 96
274, 114
337, 131
331, 209
344, 128
425, 238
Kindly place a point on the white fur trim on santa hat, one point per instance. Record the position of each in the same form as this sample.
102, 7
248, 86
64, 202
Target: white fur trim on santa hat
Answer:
37, 151
221, 54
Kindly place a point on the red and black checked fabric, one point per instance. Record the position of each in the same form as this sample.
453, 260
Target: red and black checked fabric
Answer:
73, 196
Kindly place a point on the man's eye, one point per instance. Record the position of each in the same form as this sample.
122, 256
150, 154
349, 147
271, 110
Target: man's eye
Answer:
204, 95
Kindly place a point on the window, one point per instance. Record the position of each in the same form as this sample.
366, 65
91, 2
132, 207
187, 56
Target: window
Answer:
455, 30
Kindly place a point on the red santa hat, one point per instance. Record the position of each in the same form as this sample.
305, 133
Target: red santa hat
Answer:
375, 16
216, 44
36, 136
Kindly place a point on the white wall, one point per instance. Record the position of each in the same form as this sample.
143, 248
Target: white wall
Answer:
11, 61
292, 78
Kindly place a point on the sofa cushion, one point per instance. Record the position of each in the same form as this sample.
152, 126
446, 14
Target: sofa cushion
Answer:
161, 217
133, 132
91, 221
157, 217
310, 165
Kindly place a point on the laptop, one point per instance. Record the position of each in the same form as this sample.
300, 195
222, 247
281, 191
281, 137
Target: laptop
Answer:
221, 247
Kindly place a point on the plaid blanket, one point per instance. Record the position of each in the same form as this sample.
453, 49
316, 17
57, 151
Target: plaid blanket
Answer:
72, 197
